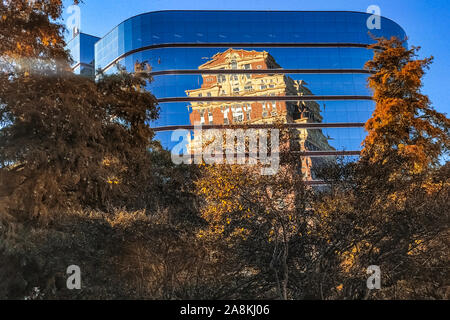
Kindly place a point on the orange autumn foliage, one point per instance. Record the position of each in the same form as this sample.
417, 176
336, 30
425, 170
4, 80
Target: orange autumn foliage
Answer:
404, 124
28, 29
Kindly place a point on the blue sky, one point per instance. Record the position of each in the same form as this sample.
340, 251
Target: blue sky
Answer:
425, 22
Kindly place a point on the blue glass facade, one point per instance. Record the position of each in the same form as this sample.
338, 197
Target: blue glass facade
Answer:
82, 49
325, 51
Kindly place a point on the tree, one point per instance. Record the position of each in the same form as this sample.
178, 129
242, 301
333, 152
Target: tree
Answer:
391, 207
65, 140
404, 129
263, 224
28, 30
69, 145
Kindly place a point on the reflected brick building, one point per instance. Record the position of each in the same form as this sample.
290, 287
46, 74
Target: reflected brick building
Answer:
255, 84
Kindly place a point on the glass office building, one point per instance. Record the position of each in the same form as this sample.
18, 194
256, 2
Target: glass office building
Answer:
224, 67
82, 49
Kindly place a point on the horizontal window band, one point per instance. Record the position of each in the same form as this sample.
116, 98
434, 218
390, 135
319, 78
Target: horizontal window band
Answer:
82, 64
260, 71
264, 126
263, 98
240, 45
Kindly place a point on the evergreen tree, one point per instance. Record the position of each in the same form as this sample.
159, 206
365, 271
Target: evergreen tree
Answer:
404, 129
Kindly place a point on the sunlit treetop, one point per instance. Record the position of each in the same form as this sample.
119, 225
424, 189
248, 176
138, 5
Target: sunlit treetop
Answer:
28, 29
404, 124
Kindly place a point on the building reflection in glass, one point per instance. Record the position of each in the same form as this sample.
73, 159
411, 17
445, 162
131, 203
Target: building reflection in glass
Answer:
257, 112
